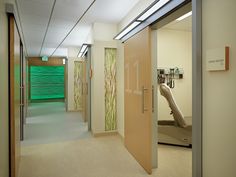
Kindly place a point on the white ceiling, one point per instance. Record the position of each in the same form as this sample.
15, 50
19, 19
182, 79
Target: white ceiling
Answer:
183, 25
35, 16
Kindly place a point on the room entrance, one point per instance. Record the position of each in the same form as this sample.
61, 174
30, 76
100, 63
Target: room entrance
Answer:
167, 88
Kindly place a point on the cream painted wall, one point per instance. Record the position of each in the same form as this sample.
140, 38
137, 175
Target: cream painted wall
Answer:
104, 31
120, 88
4, 157
103, 35
97, 85
219, 115
175, 50
72, 57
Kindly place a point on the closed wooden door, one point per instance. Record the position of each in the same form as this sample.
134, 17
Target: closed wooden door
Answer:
14, 74
138, 98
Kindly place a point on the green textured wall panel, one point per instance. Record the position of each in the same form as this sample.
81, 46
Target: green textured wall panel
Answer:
47, 82
110, 90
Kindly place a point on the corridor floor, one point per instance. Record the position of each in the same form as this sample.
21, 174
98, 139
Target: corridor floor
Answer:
85, 156
49, 122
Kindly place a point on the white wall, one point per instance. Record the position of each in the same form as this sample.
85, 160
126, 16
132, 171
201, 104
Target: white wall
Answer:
175, 50
4, 160
103, 35
120, 88
219, 111
104, 31
98, 85
72, 57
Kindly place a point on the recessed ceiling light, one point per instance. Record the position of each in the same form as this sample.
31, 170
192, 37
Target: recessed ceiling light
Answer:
184, 16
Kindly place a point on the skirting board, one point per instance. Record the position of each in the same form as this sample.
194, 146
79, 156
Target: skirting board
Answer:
110, 133
74, 111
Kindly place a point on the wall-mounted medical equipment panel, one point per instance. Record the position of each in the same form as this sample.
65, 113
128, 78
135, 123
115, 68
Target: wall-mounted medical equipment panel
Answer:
168, 75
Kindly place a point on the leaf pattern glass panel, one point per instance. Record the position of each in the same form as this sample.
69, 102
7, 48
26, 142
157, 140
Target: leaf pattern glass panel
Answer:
78, 83
110, 90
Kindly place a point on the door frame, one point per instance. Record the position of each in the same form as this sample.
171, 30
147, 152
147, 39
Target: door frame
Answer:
14, 145
88, 78
197, 88
196, 71
22, 92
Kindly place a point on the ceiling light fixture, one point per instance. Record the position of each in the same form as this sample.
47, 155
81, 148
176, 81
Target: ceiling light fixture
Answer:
142, 17
152, 9
184, 16
83, 50
127, 29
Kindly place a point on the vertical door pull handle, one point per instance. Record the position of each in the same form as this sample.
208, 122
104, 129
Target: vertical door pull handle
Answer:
87, 88
143, 99
82, 88
152, 98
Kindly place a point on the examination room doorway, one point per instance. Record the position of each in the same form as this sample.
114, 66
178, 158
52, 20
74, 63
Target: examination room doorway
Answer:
166, 46
174, 92
143, 127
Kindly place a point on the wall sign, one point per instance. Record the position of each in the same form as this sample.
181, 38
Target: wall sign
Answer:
44, 58
217, 59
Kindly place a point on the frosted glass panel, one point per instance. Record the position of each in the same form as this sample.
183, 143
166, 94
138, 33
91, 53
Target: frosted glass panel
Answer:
78, 84
110, 90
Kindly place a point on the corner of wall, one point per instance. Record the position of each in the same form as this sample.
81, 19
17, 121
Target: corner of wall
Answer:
103, 38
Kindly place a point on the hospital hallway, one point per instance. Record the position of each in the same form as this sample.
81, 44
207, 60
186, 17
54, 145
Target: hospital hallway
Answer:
49, 122
57, 144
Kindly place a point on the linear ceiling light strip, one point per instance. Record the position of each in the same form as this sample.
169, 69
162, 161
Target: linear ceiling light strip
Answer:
49, 21
23, 36
184, 16
73, 27
83, 50
153, 8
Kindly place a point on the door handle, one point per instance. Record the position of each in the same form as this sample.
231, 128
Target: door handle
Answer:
143, 99
86, 88
152, 98
82, 88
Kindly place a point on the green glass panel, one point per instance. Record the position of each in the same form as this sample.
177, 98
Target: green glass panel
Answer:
110, 90
46, 82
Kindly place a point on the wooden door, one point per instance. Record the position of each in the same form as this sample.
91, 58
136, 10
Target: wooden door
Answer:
138, 98
14, 68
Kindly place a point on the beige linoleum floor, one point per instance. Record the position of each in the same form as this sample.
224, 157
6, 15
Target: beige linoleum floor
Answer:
96, 157
50, 123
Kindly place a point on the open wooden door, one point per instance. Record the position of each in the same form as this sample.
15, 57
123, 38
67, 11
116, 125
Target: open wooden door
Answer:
14, 75
138, 98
